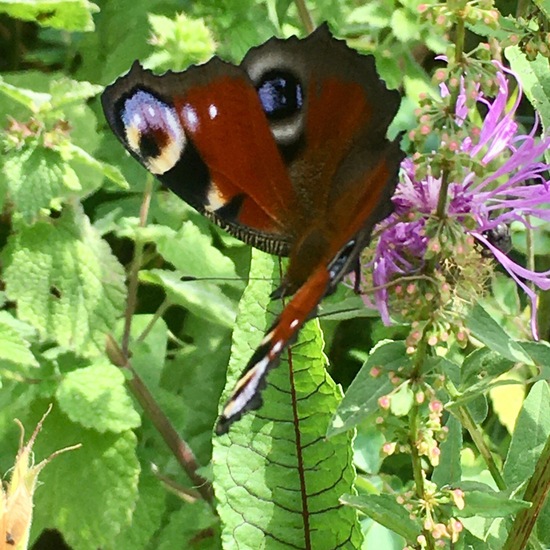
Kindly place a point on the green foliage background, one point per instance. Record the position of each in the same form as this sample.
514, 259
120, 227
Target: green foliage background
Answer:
71, 240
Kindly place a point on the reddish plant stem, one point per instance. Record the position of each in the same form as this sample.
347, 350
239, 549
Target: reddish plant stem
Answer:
179, 448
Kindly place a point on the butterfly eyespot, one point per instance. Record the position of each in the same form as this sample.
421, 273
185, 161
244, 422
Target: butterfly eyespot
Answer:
281, 94
153, 131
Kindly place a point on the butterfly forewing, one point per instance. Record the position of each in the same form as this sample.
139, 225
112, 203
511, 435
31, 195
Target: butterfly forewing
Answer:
190, 130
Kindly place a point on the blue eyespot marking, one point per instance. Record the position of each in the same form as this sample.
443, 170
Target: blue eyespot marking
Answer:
280, 94
153, 131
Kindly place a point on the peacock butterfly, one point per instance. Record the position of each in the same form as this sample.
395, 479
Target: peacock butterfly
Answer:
287, 152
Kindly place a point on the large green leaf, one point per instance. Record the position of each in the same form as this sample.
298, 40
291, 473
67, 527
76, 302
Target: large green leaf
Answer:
530, 434
192, 526
449, 470
88, 494
204, 299
65, 280
147, 517
535, 78
482, 501
488, 331
385, 510
34, 101
277, 479
35, 176
96, 397
191, 251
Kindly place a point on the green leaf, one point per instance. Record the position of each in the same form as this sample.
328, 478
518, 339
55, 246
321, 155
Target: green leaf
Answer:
15, 352
490, 504
202, 298
478, 408
149, 353
544, 7
492, 531
66, 91
65, 280
179, 42
361, 399
449, 470
505, 292
384, 509
405, 25
530, 435
367, 447
480, 368
487, 330
376, 14
378, 536
192, 252
75, 153
69, 15
96, 397
35, 176
500, 32
32, 100
185, 527
274, 469
539, 352
147, 517
535, 78
278, 11
185, 373
89, 494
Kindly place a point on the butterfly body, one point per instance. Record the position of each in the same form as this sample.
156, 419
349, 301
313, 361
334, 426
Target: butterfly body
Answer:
287, 151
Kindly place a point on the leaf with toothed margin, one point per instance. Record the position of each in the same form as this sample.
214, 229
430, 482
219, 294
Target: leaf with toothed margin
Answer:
66, 281
277, 479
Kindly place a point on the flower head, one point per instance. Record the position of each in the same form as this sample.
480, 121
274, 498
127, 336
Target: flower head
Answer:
502, 181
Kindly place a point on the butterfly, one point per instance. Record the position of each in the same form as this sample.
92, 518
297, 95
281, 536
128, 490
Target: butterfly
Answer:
286, 151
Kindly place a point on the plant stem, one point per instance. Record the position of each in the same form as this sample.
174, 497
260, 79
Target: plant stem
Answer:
416, 461
179, 448
417, 468
134, 270
536, 493
161, 310
119, 356
413, 420
460, 32
468, 422
442, 198
465, 418
305, 16
414, 437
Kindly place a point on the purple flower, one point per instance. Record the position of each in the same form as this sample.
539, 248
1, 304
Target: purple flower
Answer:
517, 190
